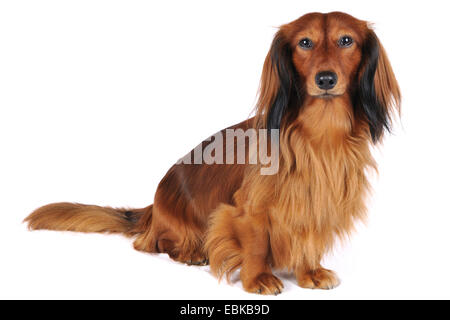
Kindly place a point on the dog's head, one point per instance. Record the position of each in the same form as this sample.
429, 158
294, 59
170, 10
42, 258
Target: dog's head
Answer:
325, 56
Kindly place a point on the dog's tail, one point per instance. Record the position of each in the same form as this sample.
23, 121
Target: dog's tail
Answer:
76, 217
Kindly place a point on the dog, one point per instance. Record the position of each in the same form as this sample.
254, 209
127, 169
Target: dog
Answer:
327, 95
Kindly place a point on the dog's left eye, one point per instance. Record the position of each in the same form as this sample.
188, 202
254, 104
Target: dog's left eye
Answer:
306, 43
345, 42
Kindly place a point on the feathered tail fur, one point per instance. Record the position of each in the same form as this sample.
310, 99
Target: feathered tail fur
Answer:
77, 217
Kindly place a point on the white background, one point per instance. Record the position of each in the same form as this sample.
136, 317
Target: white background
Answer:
99, 98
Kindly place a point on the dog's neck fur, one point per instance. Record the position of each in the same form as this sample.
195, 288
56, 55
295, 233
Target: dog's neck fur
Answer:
325, 128
326, 121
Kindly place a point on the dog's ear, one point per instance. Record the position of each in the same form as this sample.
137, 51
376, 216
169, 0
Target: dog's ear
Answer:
378, 94
280, 87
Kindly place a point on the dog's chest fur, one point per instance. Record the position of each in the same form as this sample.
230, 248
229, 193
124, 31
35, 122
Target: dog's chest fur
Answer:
321, 192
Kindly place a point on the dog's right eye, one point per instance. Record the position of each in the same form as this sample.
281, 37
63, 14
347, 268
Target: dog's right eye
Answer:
345, 42
306, 43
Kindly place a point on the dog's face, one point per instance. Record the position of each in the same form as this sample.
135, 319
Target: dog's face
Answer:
325, 56
327, 52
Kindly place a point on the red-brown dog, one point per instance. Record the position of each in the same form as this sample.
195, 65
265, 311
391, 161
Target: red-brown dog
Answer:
329, 89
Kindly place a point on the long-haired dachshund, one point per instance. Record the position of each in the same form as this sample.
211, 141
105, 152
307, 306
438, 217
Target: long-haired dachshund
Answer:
329, 91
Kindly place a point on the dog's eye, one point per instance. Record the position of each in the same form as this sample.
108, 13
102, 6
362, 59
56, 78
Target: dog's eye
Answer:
306, 43
345, 42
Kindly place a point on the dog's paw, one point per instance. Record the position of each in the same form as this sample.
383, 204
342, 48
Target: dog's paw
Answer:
193, 259
264, 283
318, 279
200, 261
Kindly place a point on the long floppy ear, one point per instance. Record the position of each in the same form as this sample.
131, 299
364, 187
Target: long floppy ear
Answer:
280, 87
378, 95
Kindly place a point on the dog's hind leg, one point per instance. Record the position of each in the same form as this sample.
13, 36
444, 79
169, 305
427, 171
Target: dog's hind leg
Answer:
166, 235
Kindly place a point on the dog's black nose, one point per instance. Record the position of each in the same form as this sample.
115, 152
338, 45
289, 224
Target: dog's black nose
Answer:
326, 80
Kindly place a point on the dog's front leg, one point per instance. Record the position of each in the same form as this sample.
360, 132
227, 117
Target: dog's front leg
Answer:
256, 274
310, 274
